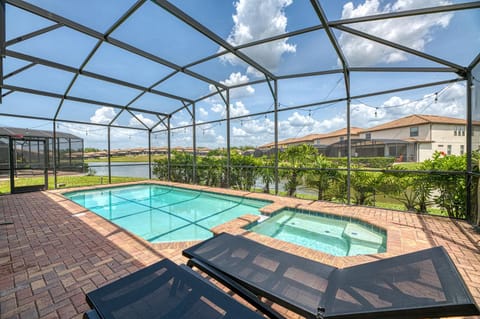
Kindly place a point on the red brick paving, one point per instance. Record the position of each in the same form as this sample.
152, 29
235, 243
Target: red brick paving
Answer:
55, 251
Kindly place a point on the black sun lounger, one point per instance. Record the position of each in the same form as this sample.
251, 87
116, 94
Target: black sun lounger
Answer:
164, 290
422, 284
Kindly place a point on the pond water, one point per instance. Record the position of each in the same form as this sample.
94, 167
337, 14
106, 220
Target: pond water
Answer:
126, 169
140, 169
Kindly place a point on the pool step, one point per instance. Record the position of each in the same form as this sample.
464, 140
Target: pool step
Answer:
325, 229
361, 250
360, 236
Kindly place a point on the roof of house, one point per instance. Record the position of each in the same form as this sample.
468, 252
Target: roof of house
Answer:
416, 119
312, 137
17, 132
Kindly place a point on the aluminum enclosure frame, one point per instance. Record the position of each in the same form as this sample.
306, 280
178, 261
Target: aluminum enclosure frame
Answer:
459, 73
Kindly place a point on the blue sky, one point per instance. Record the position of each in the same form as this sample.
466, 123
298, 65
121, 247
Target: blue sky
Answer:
452, 36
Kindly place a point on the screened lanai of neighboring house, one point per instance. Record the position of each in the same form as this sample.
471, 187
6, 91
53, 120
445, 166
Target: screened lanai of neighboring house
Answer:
197, 76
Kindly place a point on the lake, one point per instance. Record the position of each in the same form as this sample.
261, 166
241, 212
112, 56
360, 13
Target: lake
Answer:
140, 169
125, 169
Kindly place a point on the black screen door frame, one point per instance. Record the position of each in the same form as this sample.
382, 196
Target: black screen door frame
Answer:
13, 161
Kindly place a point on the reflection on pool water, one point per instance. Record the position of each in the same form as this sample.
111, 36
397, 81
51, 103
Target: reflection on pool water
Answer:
335, 235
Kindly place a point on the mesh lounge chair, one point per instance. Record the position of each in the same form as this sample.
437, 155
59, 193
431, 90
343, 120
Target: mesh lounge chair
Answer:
164, 290
417, 285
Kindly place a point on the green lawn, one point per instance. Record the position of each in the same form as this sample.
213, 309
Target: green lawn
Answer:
66, 181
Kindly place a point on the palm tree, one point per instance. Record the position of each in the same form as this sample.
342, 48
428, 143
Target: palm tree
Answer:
294, 159
323, 177
364, 184
243, 172
267, 173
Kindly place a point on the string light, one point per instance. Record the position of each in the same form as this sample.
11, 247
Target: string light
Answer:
435, 100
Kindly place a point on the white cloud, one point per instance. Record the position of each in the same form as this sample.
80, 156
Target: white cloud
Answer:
236, 132
297, 119
203, 112
145, 120
236, 78
103, 115
236, 109
252, 132
414, 32
449, 102
298, 125
256, 20
218, 108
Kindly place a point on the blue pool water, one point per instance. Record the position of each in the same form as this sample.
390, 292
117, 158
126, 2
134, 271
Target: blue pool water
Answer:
165, 214
331, 234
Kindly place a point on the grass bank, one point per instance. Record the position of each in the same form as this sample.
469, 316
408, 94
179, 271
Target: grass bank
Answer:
66, 181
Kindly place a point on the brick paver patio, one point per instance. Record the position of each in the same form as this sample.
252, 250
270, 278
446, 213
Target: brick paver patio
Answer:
53, 251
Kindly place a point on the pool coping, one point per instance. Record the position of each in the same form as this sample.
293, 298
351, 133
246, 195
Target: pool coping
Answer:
236, 226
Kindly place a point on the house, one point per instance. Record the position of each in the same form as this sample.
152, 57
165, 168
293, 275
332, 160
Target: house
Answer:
413, 138
317, 140
416, 137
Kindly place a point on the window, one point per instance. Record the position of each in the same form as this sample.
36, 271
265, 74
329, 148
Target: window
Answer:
459, 131
414, 131
462, 149
368, 136
449, 149
341, 138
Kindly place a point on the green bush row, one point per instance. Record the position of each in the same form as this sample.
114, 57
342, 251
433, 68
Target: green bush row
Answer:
440, 182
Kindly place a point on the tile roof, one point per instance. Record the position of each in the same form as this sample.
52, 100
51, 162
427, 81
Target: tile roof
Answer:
416, 119
312, 137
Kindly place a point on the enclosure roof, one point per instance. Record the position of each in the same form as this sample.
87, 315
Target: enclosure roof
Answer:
98, 62
20, 132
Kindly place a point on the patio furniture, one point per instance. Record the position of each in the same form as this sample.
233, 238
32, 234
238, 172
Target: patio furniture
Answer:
416, 285
164, 290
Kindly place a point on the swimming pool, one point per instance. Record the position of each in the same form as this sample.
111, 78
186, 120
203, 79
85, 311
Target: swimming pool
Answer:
160, 213
334, 235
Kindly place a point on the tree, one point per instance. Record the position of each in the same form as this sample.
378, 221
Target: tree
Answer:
267, 172
412, 190
210, 170
160, 168
181, 167
323, 177
294, 159
450, 186
91, 149
243, 172
364, 185
476, 188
